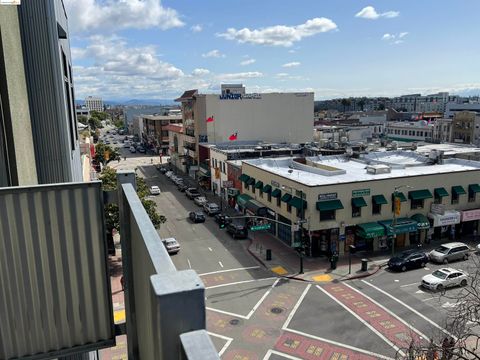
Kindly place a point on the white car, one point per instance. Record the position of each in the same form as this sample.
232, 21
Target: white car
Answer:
445, 277
169, 174
200, 200
132, 149
477, 248
172, 245
154, 190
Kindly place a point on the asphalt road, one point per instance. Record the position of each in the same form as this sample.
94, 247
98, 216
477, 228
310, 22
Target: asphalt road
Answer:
252, 314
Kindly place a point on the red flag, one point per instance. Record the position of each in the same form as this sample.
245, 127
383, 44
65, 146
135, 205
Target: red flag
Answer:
233, 137
210, 119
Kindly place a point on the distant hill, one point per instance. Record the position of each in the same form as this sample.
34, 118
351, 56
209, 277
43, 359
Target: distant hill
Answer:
131, 102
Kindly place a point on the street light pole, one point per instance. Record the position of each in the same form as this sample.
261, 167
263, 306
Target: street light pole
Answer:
394, 222
300, 226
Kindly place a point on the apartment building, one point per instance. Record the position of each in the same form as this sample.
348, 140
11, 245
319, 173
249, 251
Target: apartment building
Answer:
466, 128
155, 135
94, 103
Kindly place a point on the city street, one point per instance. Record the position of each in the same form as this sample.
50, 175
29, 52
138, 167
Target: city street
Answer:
253, 314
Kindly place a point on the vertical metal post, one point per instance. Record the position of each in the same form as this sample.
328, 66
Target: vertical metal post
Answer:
394, 222
300, 229
349, 262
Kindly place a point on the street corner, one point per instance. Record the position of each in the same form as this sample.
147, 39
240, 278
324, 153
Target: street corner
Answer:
279, 270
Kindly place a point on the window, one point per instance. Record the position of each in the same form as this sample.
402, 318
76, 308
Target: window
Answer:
279, 202
327, 215
269, 197
253, 189
289, 208
376, 208
455, 197
216, 163
356, 211
299, 213
437, 199
261, 193
472, 196
416, 204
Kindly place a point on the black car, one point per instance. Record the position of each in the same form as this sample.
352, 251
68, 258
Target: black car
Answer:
197, 216
192, 193
238, 231
182, 187
407, 260
222, 220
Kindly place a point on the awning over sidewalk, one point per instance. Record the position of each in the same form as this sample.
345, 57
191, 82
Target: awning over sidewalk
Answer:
403, 225
256, 207
242, 199
422, 221
370, 230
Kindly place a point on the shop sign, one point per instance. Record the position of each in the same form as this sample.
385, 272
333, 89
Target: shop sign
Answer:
252, 96
274, 183
471, 215
327, 196
227, 184
361, 192
450, 218
437, 209
233, 191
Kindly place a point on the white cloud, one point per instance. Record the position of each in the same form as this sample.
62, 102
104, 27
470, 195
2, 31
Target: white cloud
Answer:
200, 72
214, 54
388, 36
247, 62
113, 15
240, 76
292, 51
402, 34
282, 75
369, 12
291, 64
196, 28
395, 39
280, 35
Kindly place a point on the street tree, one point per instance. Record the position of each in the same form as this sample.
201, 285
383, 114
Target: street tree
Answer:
95, 123
82, 119
101, 115
105, 153
345, 102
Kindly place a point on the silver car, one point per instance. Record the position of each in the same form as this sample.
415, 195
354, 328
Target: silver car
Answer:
449, 252
443, 278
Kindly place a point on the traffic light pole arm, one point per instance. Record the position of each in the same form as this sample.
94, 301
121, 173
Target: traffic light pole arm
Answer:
262, 217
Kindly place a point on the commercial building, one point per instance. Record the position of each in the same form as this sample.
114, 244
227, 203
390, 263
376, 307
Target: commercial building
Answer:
442, 130
270, 117
409, 131
454, 107
428, 103
466, 127
176, 140
349, 201
94, 103
40, 140
154, 134
82, 111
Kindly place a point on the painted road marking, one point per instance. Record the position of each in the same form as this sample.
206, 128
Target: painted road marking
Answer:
295, 308
279, 270
359, 318
226, 338
119, 316
274, 352
428, 299
341, 346
261, 299
226, 313
221, 265
189, 265
239, 282
322, 278
222, 271
410, 308
422, 335
406, 285
210, 249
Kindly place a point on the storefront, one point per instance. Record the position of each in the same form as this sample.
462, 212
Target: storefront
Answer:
242, 200
272, 215
285, 230
370, 236
232, 194
444, 225
423, 225
400, 231
325, 242
255, 208
470, 221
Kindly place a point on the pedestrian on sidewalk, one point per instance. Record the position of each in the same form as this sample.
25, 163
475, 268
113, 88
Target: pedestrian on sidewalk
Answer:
122, 282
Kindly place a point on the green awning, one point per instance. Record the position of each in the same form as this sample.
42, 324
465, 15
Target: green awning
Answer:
379, 200
440, 192
400, 195
459, 190
286, 197
420, 194
256, 207
474, 188
422, 221
267, 189
403, 225
242, 199
244, 178
259, 185
250, 181
276, 193
297, 203
370, 230
329, 205
359, 202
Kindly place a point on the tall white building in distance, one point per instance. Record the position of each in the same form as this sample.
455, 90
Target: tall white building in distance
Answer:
94, 103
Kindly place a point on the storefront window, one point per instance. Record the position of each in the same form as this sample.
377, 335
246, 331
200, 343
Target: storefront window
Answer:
356, 211
416, 204
327, 215
376, 209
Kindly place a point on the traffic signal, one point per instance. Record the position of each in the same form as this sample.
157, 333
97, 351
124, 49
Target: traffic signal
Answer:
221, 225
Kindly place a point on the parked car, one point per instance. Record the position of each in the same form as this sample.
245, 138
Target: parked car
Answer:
126, 145
211, 208
192, 193
154, 190
182, 187
407, 260
200, 200
238, 231
197, 216
178, 181
141, 149
446, 277
172, 245
477, 248
132, 149
449, 252
169, 174
222, 219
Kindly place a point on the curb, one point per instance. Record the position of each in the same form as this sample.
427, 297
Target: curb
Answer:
361, 276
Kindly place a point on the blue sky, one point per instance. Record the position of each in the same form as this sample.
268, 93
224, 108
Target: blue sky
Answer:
124, 49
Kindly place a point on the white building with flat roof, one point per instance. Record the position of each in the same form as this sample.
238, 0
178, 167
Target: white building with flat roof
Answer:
384, 198
94, 103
